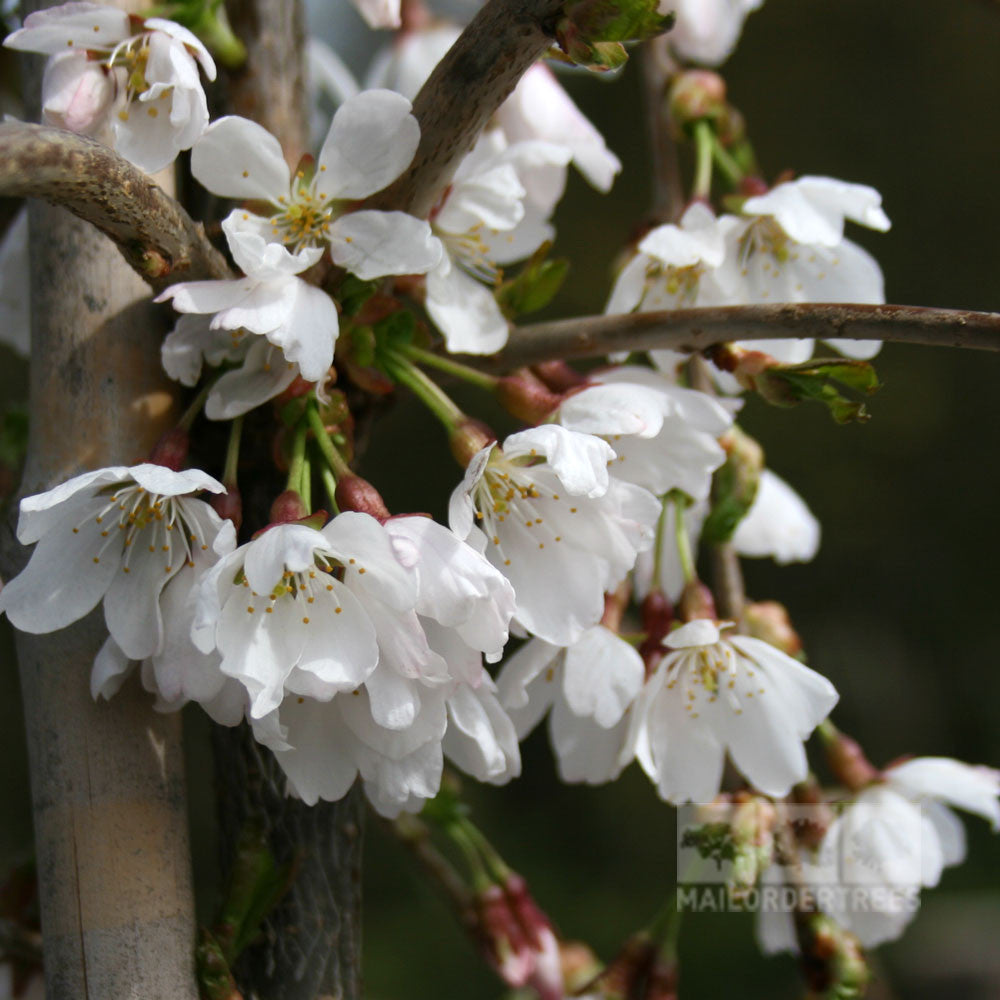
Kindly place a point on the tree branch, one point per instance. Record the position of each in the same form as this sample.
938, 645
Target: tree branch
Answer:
695, 329
475, 77
155, 235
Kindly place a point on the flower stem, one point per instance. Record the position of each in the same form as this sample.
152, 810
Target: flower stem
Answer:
305, 482
195, 407
333, 458
229, 477
661, 527
725, 162
428, 392
297, 462
682, 540
473, 376
486, 850
704, 140
330, 485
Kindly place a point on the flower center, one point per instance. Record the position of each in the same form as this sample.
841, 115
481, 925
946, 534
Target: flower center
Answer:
472, 253
764, 235
679, 283
149, 523
303, 219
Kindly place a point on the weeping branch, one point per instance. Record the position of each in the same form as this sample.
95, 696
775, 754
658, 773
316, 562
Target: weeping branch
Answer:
696, 329
157, 238
475, 77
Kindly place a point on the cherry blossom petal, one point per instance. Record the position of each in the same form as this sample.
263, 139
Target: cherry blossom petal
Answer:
83, 25
237, 158
602, 676
372, 244
465, 311
371, 141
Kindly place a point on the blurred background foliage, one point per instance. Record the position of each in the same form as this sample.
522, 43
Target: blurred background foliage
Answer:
900, 608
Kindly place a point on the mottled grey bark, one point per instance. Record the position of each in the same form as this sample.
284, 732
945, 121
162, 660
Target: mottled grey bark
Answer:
107, 779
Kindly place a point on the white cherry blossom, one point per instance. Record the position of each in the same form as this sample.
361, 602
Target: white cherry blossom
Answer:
483, 222
896, 837
778, 524
551, 519
706, 31
293, 315
670, 262
588, 688
119, 534
371, 141
712, 695
263, 373
144, 86
664, 436
790, 247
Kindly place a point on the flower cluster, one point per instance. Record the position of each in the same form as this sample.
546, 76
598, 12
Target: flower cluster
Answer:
360, 646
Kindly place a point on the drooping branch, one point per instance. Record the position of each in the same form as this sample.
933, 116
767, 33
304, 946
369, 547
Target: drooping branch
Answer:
155, 235
695, 329
475, 77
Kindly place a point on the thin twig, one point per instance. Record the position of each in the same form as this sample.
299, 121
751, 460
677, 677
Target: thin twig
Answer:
668, 189
473, 79
695, 329
155, 235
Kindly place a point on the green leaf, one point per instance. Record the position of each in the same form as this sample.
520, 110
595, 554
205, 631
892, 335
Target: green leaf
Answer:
591, 31
836, 384
535, 286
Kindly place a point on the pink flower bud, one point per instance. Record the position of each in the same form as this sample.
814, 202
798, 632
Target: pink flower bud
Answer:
526, 397
229, 506
287, 507
558, 375
171, 450
355, 493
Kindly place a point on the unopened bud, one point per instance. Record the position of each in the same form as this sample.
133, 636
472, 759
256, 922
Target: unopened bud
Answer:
657, 614
171, 451
696, 94
753, 187
847, 760
833, 960
229, 505
355, 493
526, 397
696, 602
469, 439
559, 376
288, 507
768, 620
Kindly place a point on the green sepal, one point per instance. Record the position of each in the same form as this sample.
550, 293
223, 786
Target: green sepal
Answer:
353, 293
535, 286
446, 808
397, 329
256, 884
834, 383
734, 487
591, 31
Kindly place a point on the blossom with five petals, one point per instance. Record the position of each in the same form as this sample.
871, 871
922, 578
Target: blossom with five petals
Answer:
712, 695
141, 82
551, 519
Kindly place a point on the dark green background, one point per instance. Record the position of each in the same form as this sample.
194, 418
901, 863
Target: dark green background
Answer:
900, 609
